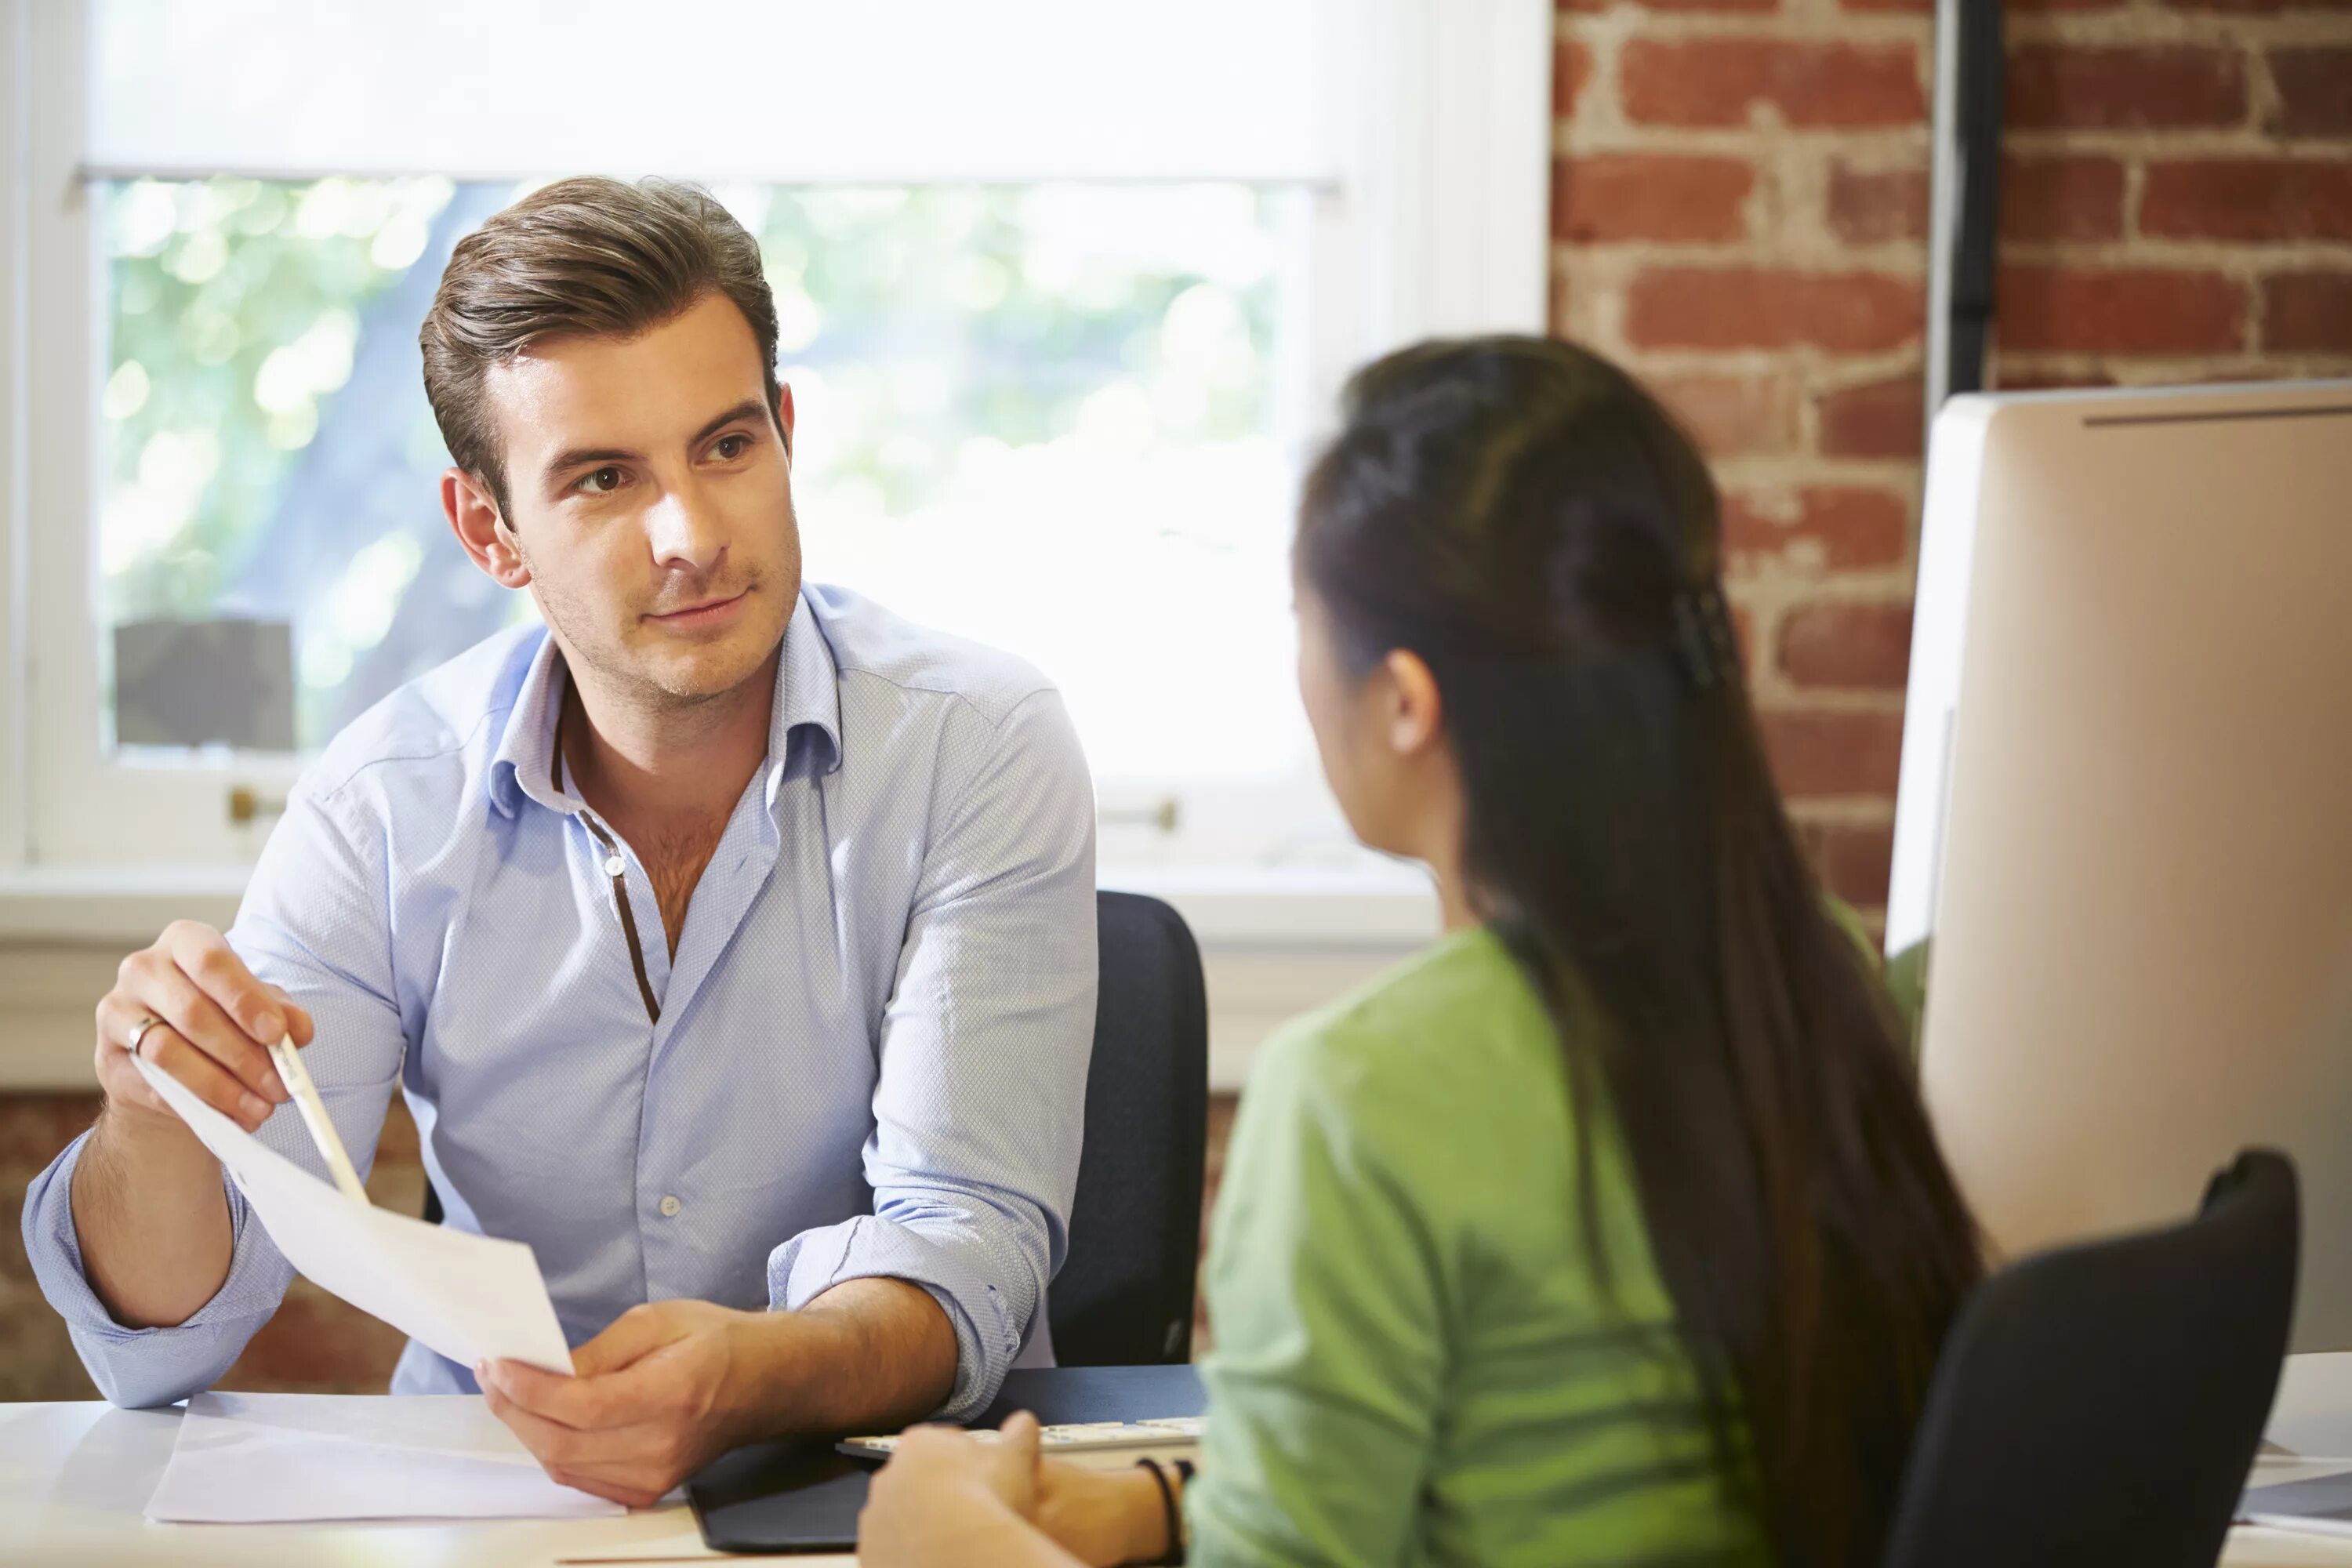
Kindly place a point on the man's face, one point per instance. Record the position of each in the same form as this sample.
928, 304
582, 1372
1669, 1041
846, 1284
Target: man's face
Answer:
650, 500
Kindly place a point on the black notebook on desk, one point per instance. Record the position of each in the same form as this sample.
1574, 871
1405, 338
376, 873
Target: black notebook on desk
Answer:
803, 1496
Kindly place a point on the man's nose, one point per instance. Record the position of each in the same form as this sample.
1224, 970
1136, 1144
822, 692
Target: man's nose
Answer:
684, 530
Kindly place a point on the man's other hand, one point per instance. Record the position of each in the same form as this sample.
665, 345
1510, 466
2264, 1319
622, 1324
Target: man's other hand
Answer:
653, 1399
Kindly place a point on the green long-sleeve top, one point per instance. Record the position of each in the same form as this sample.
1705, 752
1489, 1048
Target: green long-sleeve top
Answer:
1415, 1362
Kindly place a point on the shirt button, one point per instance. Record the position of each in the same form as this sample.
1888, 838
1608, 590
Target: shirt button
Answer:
669, 1207
615, 866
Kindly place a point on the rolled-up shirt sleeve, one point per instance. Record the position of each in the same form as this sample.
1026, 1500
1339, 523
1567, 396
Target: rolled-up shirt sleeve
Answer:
313, 922
983, 1052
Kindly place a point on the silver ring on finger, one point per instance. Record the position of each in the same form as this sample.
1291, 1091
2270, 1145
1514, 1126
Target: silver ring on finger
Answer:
139, 1031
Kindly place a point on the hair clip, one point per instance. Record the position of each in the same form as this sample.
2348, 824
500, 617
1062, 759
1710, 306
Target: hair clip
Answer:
1705, 638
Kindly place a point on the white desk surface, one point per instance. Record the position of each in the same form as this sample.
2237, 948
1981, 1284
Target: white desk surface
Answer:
75, 1479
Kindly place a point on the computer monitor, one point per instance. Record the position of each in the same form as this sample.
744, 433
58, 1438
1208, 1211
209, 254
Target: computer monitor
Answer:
2126, 813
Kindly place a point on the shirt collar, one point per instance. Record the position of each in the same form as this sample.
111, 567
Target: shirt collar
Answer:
804, 720
524, 762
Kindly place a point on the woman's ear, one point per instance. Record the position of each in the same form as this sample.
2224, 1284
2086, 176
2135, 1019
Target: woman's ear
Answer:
1416, 715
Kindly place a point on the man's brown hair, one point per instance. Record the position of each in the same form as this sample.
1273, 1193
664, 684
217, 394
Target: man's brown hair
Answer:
590, 258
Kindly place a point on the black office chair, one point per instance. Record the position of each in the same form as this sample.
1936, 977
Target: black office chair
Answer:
2102, 1403
1124, 1297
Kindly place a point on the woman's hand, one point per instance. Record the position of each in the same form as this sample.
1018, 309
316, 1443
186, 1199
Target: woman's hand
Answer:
946, 1496
1102, 1516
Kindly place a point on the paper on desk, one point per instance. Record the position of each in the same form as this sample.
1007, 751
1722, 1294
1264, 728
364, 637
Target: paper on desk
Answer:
2297, 1523
471, 1297
2313, 1505
250, 1458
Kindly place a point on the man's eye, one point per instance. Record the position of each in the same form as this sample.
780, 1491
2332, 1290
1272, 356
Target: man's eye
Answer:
603, 481
730, 448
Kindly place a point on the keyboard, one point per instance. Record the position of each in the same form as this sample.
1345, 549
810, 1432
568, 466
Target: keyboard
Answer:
1074, 1437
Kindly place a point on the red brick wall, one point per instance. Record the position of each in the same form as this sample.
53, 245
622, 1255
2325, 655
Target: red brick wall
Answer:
315, 1344
37, 1361
1739, 213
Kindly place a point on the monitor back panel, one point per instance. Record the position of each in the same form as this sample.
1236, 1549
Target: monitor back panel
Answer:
2143, 918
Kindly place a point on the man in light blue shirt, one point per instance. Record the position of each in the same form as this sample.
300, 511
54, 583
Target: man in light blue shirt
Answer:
731, 939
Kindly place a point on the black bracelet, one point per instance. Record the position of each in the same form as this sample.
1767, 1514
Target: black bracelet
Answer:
1175, 1553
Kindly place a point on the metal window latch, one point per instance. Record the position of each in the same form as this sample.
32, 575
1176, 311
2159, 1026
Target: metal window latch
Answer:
246, 804
1165, 816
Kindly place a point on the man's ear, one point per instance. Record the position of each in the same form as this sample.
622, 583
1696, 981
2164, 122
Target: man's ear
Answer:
785, 416
473, 514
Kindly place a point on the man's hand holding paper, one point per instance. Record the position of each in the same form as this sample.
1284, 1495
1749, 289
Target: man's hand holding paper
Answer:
656, 1396
673, 1385
154, 1234
198, 1013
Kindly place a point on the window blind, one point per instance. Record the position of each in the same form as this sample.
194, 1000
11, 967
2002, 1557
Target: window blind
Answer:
786, 90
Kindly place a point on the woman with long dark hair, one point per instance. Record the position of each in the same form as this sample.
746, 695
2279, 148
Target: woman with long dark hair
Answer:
1612, 1228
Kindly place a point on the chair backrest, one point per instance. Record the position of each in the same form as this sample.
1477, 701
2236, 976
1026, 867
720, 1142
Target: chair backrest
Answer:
1124, 1297
2102, 1403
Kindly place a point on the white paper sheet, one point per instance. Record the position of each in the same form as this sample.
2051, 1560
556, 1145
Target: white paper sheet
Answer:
249, 1458
2299, 1524
471, 1297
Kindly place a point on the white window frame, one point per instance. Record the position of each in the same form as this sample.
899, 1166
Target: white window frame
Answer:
15, 136
1438, 224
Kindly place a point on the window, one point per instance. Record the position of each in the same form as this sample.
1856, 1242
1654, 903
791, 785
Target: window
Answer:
1066, 292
